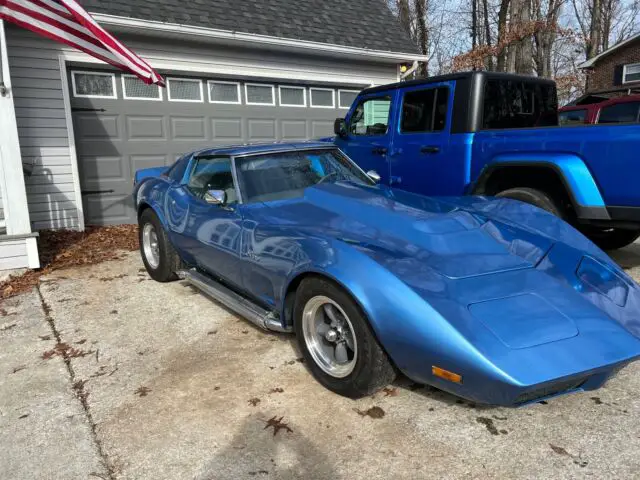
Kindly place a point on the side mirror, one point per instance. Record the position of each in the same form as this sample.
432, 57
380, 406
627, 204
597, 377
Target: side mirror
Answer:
215, 197
340, 127
373, 175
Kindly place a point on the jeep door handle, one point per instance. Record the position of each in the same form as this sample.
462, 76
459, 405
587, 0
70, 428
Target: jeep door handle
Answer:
379, 150
430, 149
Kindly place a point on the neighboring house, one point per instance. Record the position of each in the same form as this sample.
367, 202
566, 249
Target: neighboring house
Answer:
617, 68
241, 71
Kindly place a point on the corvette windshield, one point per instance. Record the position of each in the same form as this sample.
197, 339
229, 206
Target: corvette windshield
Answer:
280, 176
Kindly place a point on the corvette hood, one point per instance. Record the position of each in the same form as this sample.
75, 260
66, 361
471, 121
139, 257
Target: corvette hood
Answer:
412, 233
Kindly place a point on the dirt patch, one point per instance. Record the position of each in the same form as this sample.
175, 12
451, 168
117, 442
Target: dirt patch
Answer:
61, 249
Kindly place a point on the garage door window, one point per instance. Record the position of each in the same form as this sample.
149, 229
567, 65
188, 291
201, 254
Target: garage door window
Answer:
94, 84
322, 98
259, 94
135, 89
293, 96
346, 97
184, 90
224, 92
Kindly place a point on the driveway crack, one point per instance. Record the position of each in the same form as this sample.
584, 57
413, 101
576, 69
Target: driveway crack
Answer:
78, 387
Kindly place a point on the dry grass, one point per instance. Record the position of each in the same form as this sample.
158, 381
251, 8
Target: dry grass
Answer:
61, 249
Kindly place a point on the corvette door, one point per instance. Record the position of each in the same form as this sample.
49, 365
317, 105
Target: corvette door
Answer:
208, 234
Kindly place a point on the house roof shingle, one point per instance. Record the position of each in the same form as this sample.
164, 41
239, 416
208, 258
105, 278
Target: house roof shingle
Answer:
353, 23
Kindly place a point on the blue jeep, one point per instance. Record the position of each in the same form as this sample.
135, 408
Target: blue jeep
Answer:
486, 133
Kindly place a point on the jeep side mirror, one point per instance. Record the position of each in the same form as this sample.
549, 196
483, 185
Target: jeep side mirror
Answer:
340, 127
215, 197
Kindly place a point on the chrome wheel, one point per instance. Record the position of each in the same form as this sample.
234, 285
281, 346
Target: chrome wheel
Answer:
150, 245
329, 336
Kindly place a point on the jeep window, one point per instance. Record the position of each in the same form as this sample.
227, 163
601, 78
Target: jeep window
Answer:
620, 113
424, 110
519, 104
572, 117
279, 176
371, 116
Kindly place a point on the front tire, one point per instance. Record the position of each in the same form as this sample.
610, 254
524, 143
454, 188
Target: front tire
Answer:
534, 197
158, 255
337, 341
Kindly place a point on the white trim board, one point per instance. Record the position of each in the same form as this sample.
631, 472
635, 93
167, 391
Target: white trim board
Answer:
75, 174
152, 27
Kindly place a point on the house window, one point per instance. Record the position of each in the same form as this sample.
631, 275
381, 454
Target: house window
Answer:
322, 98
259, 94
135, 89
94, 84
346, 97
184, 90
631, 73
224, 92
292, 96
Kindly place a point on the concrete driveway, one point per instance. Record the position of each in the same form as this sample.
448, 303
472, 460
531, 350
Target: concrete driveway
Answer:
155, 381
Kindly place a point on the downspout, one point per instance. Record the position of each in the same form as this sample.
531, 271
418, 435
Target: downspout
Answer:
3, 89
413, 68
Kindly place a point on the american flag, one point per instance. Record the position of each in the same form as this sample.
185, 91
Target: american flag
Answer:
67, 22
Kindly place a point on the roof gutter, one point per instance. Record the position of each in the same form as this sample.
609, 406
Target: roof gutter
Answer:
153, 27
591, 61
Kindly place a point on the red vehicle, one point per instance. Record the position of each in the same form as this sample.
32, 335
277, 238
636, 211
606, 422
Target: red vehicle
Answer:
592, 109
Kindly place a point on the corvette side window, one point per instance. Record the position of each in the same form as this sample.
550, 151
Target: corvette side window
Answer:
212, 174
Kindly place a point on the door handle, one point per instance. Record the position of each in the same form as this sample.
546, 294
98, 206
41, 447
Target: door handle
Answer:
430, 149
379, 150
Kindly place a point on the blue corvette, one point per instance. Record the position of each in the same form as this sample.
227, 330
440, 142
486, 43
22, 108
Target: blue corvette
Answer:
492, 300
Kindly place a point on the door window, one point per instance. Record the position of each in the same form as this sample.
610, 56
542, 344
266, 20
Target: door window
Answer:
371, 117
424, 110
212, 174
619, 113
572, 117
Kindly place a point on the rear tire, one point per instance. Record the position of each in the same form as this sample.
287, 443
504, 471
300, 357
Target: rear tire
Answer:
367, 368
158, 255
534, 197
611, 238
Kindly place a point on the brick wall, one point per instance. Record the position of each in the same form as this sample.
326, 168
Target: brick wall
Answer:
604, 71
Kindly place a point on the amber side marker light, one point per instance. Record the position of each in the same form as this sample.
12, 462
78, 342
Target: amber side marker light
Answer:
446, 374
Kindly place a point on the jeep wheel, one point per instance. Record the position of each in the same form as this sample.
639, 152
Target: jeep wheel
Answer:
534, 197
337, 341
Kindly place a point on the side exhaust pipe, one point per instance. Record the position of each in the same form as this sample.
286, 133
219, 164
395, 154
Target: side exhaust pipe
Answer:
257, 315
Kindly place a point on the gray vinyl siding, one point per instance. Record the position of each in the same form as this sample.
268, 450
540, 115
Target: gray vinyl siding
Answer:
44, 142
39, 105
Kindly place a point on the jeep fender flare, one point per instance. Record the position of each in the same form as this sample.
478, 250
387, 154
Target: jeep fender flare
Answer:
574, 174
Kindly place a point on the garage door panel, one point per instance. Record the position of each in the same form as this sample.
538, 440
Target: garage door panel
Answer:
149, 161
188, 128
261, 129
294, 129
97, 169
117, 136
146, 128
108, 209
227, 129
321, 128
96, 126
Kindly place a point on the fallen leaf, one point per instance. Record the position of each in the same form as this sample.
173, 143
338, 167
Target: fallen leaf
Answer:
390, 392
373, 412
254, 401
277, 425
142, 391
